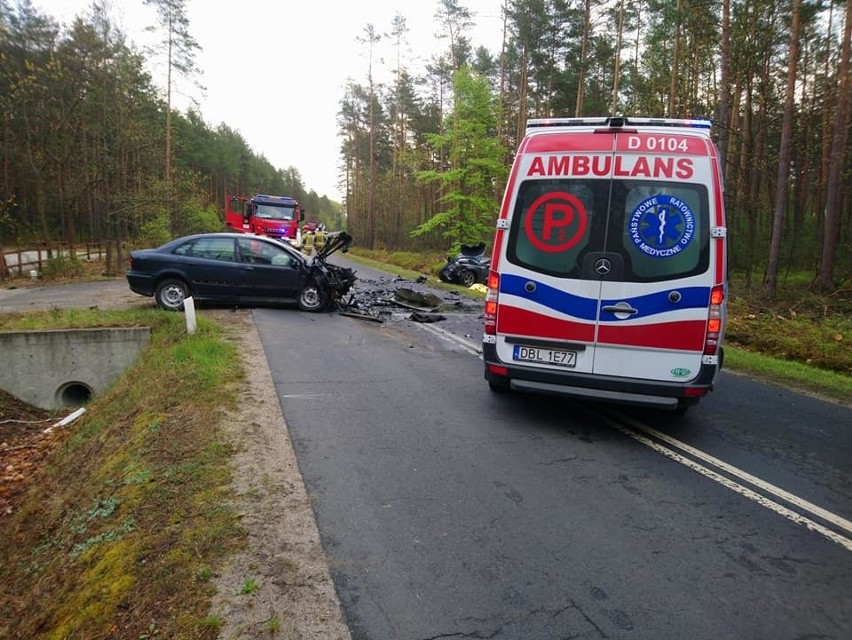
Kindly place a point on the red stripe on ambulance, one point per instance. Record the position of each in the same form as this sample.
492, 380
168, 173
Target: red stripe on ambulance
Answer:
515, 321
562, 143
687, 335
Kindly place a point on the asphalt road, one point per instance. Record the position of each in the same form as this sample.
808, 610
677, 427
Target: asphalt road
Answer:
105, 294
448, 511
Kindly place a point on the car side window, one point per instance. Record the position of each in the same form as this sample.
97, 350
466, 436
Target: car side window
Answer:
254, 251
209, 249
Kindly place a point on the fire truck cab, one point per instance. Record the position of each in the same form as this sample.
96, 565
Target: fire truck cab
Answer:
274, 216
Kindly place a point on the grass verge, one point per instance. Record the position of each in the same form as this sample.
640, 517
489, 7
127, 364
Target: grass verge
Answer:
788, 373
118, 533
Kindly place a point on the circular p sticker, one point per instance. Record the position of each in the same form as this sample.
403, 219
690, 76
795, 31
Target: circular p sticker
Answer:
662, 226
556, 221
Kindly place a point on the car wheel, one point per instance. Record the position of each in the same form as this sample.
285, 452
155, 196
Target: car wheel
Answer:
312, 298
467, 277
171, 293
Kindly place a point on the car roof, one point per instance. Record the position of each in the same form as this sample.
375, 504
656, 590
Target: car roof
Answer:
227, 234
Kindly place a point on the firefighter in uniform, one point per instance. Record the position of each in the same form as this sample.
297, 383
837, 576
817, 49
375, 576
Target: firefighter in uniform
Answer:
319, 238
307, 240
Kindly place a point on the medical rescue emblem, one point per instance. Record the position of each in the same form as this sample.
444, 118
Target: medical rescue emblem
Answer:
662, 226
556, 221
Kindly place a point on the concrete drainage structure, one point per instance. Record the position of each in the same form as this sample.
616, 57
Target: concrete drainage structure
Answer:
66, 367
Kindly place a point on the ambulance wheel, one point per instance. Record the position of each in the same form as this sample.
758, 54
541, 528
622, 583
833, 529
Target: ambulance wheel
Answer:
467, 277
312, 298
498, 387
682, 407
171, 293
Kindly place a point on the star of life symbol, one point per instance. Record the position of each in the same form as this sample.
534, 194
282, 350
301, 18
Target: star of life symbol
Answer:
662, 226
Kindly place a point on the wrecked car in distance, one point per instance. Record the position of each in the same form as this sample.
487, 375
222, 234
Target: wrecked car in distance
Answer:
468, 267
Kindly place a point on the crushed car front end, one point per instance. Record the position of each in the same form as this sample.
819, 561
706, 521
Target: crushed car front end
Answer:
336, 281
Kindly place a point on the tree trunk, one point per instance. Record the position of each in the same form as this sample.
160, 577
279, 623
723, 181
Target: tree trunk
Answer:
617, 70
725, 97
838, 148
781, 187
584, 57
673, 103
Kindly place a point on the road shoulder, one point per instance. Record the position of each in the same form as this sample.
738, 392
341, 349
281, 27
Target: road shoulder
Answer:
294, 595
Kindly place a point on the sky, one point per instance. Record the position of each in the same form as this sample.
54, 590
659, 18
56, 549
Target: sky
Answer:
298, 56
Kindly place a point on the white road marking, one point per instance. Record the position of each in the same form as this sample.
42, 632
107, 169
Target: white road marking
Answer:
620, 421
793, 516
835, 519
446, 335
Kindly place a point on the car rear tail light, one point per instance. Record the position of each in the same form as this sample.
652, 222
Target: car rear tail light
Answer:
491, 296
714, 320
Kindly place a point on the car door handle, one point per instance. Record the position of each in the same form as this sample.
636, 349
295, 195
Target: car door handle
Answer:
621, 307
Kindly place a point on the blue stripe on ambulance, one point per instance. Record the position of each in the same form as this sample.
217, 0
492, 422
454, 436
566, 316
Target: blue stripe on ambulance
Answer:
583, 308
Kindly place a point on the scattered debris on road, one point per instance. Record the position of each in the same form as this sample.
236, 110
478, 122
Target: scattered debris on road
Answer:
381, 300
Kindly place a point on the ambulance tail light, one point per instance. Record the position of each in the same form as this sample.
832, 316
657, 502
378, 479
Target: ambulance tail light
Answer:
491, 296
714, 320
498, 370
695, 392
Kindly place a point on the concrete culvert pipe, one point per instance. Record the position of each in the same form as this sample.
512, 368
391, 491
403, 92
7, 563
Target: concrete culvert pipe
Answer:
73, 394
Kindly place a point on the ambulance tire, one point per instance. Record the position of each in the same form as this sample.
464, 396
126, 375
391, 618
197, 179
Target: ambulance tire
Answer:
498, 387
312, 298
467, 277
683, 407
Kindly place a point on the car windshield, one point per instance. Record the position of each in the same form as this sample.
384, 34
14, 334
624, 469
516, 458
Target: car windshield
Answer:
274, 212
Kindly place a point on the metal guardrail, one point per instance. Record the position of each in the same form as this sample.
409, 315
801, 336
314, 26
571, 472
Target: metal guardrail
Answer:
21, 261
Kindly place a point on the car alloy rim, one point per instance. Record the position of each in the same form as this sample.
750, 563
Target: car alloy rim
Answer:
310, 297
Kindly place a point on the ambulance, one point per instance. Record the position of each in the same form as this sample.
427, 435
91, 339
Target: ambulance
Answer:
608, 271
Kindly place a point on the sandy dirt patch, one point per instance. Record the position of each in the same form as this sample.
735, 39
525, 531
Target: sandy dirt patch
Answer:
295, 596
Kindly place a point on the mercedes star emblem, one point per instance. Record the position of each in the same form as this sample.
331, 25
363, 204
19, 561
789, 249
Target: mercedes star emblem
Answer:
603, 266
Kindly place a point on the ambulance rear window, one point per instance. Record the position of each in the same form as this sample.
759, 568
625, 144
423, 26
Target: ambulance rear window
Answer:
651, 230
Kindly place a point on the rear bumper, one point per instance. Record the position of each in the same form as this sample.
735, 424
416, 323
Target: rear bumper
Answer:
635, 391
141, 284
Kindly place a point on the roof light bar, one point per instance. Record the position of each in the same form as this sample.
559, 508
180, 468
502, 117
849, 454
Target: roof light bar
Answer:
619, 122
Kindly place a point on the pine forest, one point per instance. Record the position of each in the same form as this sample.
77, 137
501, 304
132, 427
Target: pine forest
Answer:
92, 148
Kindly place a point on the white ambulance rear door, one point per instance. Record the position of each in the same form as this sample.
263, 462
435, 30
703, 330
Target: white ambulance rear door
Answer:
655, 269
560, 186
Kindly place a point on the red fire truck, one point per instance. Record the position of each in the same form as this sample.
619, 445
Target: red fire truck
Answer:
273, 216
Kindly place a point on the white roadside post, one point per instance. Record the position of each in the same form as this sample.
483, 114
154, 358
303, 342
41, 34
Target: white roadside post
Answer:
189, 312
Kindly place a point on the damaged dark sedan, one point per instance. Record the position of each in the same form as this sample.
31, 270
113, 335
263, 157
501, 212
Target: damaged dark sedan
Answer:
240, 269
469, 267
